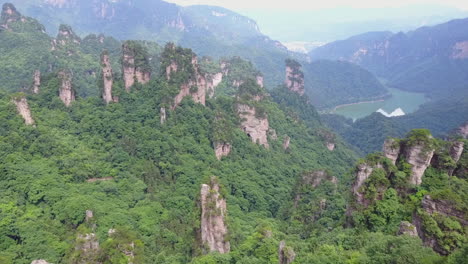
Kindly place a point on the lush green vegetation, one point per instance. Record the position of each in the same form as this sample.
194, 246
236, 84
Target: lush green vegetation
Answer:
332, 83
141, 178
367, 134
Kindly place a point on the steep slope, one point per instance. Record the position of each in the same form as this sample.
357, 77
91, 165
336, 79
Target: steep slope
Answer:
432, 60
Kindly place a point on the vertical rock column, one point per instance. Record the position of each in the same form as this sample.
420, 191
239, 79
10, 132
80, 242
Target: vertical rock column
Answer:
286, 255
36, 82
66, 92
419, 156
294, 77
255, 127
391, 150
107, 78
213, 222
128, 67
23, 109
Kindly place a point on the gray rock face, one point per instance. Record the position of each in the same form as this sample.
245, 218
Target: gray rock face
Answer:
294, 77
456, 150
317, 177
222, 149
362, 174
107, 79
255, 127
88, 247
330, 146
162, 113
463, 130
443, 207
204, 84
391, 150
36, 82
420, 158
286, 142
66, 92
286, 255
406, 228
260, 81
39, 261
213, 224
22, 107
131, 72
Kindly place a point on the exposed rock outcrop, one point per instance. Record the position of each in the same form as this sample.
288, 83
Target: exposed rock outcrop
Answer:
256, 127
391, 150
463, 131
39, 261
406, 228
23, 109
36, 82
433, 206
330, 146
286, 142
460, 50
363, 172
222, 149
162, 113
67, 36
198, 86
294, 77
213, 223
315, 178
88, 246
107, 78
456, 150
132, 69
419, 156
259, 79
66, 92
286, 255
9, 15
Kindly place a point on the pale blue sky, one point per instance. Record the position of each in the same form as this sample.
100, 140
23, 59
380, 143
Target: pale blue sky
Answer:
320, 4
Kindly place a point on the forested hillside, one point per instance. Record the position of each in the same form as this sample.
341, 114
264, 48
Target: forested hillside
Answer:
432, 60
210, 31
132, 152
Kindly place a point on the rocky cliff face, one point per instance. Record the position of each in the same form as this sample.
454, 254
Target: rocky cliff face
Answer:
66, 92
463, 130
419, 156
134, 70
437, 208
36, 82
391, 150
315, 178
260, 81
255, 127
23, 109
66, 36
294, 77
107, 79
456, 150
286, 255
198, 85
9, 15
222, 149
213, 224
433, 206
406, 228
363, 172
162, 115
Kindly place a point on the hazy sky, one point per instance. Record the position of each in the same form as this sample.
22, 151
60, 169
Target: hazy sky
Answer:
319, 4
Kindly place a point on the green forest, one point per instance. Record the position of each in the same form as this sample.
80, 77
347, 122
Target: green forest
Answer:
123, 182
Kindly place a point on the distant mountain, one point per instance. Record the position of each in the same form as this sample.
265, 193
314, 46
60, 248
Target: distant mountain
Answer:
208, 30
433, 60
326, 25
